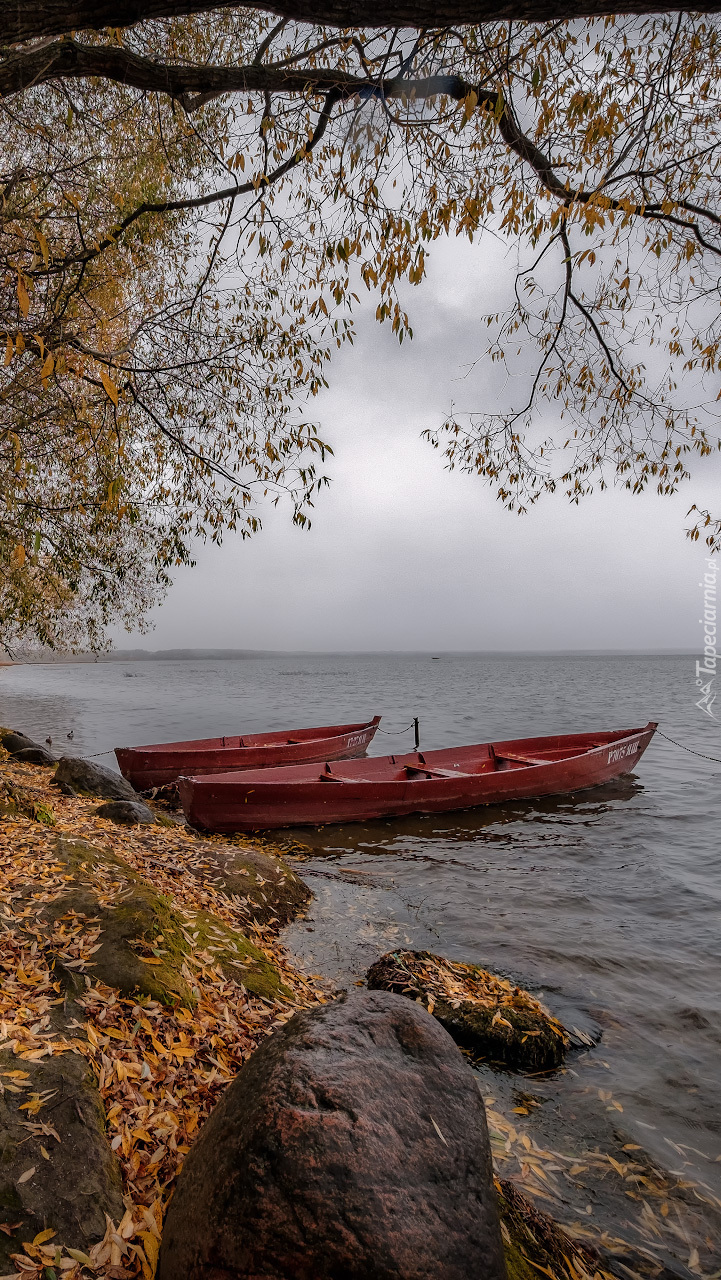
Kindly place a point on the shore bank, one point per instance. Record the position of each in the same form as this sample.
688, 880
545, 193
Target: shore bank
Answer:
164, 1033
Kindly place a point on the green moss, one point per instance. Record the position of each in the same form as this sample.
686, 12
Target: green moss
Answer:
163, 819
146, 945
17, 802
237, 957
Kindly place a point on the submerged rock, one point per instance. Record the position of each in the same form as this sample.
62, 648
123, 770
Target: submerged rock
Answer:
126, 812
485, 1014
35, 755
92, 779
534, 1243
353, 1144
66, 1178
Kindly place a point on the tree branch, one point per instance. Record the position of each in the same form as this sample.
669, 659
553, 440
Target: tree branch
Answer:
193, 85
35, 18
70, 60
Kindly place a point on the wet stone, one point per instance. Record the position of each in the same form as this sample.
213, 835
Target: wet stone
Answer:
494, 1020
35, 755
92, 779
126, 812
353, 1144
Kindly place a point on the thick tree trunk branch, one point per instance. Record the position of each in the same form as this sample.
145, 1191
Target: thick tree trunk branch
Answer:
69, 60
26, 19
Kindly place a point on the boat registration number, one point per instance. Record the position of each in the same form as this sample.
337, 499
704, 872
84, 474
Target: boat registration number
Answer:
626, 749
357, 739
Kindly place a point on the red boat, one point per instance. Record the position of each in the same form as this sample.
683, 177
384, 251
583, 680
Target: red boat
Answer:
420, 782
157, 765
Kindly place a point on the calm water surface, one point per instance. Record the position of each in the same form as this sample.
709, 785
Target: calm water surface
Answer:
609, 904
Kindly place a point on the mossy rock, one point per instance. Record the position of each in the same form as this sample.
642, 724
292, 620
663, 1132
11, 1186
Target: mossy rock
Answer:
272, 890
18, 802
69, 1185
144, 945
534, 1243
512, 1030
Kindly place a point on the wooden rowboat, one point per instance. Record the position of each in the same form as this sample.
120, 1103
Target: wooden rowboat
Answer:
163, 762
420, 782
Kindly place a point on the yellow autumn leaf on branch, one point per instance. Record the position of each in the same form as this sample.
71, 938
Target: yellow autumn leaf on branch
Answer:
9, 350
48, 366
17, 558
470, 102
43, 247
110, 387
23, 296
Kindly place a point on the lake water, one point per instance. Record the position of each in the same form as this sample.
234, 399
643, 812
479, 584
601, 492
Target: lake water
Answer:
609, 904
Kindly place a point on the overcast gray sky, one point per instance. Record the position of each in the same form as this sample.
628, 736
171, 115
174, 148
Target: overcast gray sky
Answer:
405, 555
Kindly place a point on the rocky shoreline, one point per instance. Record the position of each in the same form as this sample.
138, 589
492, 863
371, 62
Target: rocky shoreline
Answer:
142, 976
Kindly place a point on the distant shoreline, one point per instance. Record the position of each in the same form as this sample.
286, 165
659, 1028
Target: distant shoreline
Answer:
240, 655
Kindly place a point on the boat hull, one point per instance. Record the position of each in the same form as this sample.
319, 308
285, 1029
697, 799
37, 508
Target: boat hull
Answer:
430, 782
162, 763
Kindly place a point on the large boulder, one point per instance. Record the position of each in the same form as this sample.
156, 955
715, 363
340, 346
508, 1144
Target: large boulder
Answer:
353, 1146
267, 887
91, 779
146, 946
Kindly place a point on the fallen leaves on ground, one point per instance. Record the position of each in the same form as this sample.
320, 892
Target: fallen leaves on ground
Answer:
160, 1070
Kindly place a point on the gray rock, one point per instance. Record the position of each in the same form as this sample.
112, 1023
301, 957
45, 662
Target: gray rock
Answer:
35, 755
127, 812
79, 1181
352, 1146
92, 779
14, 742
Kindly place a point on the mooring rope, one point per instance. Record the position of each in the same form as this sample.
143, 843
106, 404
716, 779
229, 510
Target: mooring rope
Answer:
700, 754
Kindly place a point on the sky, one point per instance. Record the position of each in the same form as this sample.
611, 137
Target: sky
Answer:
404, 555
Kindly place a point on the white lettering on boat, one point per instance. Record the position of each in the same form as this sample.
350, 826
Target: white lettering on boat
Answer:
357, 739
626, 749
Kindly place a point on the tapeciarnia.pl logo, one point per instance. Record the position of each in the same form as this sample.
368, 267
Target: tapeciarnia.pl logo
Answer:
706, 670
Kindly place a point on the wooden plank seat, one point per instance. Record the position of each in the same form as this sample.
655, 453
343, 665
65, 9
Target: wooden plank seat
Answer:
427, 772
512, 755
328, 776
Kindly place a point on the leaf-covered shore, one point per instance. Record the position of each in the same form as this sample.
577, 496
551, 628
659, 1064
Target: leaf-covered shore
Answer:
161, 1056
140, 968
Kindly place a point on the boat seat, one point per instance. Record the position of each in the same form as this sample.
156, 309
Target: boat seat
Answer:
512, 755
434, 773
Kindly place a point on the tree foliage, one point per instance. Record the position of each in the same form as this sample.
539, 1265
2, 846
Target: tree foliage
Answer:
193, 205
